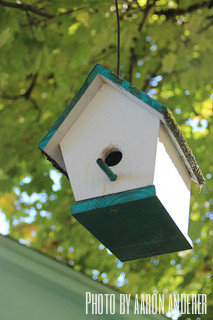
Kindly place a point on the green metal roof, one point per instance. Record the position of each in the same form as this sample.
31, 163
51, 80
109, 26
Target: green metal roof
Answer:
34, 286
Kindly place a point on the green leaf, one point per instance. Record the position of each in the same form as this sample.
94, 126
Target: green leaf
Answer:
5, 36
169, 62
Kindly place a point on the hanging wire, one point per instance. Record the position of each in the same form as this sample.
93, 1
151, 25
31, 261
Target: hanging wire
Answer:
118, 38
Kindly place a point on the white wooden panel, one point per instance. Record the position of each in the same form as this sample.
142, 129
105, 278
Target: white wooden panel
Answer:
133, 98
172, 181
81, 105
52, 148
110, 119
180, 151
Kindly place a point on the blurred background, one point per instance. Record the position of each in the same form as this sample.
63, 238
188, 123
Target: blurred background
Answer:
47, 49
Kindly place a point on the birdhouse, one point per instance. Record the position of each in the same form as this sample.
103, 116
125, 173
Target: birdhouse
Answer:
129, 167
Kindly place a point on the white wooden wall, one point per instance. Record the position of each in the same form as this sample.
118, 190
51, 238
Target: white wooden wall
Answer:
110, 119
172, 181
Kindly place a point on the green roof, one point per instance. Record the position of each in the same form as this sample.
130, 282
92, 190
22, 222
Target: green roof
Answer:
34, 286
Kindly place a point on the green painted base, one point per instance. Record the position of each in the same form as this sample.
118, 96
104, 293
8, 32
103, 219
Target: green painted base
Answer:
131, 224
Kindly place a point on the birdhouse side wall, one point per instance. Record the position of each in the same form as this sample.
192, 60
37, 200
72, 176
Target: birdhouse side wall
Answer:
110, 121
172, 181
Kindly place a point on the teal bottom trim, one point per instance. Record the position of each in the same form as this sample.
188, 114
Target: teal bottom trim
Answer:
132, 224
113, 199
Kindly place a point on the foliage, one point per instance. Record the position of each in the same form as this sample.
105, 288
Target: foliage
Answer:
47, 48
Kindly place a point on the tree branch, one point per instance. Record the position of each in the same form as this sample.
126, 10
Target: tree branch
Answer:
36, 107
145, 86
32, 85
206, 27
27, 96
170, 13
26, 7
133, 55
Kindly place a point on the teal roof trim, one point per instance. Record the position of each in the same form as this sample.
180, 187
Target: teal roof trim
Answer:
99, 69
113, 199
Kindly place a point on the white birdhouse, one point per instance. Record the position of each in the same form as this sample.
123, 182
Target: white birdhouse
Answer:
129, 166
